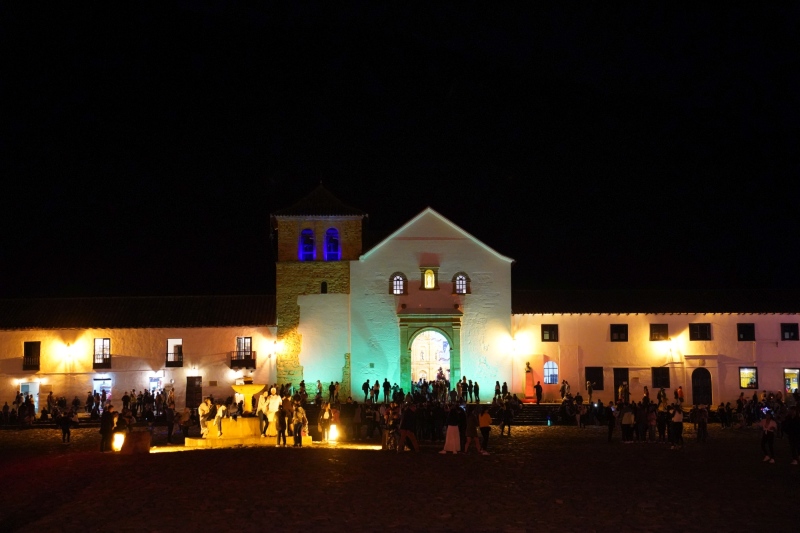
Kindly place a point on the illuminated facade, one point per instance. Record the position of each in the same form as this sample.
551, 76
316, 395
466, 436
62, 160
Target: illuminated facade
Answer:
429, 299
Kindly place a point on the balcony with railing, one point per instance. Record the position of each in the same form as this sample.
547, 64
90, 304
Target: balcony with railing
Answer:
101, 361
243, 359
30, 362
174, 360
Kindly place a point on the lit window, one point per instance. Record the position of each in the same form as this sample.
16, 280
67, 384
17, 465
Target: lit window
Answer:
102, 353
699, 332
748, 377
306, 248
397, 283
461, 283
429, 278
659, 332
332, 250
244, 347
549, 332
550, 373
790, 377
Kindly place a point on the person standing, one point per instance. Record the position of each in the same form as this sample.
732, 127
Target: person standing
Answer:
497, 394
203, 412
107, 422
261, 411
273, 403
611, 419
563, 389
485, 424
477, 390
170, 416
676, 428
366, 388
280, 424
538, 389
768, 427
791, 426
452, 441
299, 422
387, 390
65, 422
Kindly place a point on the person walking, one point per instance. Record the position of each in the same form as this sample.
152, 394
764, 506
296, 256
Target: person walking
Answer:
485, 424
107, 422
408, 425
473, 423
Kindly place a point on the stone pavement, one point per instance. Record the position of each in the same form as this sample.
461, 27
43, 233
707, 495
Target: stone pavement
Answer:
542, 478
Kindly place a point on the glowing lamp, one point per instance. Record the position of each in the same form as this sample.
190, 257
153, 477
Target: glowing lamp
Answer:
119, 440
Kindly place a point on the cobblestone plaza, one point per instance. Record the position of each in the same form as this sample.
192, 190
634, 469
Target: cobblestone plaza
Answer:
542, 478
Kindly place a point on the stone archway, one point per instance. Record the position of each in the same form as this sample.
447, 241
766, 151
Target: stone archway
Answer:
448, 324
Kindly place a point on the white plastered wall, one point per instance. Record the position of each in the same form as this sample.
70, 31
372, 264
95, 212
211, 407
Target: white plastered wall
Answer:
137, 354
430, 240
584, 340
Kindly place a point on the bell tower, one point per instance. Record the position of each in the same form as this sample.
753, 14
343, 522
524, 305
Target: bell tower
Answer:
317, 238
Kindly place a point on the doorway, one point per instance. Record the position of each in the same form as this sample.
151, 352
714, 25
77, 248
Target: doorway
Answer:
701, 387
620, 378
430, 357
31, 388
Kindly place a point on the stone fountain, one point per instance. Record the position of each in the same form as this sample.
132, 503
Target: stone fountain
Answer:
243, 430
248, 389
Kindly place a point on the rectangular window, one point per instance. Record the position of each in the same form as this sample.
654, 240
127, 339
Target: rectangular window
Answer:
174, 353
699, 332
789, 332
746, 332
594, 375
549, 332
619, 332
102, 353
659, 332
244, 347
748, 377
790, 378
30, 358
659, 376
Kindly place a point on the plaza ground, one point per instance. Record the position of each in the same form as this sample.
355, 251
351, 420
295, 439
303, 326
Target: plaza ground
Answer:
542, 478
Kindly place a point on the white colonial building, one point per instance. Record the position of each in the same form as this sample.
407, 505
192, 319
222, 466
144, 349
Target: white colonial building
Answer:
430, 299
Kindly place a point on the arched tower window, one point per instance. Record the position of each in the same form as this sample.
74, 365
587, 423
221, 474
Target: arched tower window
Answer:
461, 283
333, 251
398, 283
550, 373
306, 247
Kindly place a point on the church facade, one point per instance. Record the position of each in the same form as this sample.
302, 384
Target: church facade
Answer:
429, 301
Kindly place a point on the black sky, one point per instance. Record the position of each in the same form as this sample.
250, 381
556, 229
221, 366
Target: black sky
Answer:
601, 146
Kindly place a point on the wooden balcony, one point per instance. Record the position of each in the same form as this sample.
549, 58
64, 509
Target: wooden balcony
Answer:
30, 363
243, 359
174, 360
102, 362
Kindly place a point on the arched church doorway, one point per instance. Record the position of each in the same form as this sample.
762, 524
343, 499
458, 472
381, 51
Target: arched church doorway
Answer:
430, 357
701, 387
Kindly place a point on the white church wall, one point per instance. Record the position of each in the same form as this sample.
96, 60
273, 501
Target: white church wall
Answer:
431, 241
324, 320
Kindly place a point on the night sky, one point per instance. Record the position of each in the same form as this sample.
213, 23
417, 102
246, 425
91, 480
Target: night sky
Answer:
600, 146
